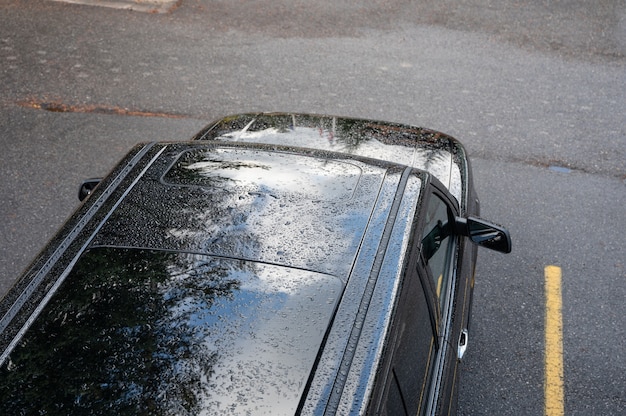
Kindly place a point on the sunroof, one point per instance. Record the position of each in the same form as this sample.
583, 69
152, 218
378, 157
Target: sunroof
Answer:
143, 331
270, 173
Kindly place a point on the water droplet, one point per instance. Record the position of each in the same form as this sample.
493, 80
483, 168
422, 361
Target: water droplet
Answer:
559, 169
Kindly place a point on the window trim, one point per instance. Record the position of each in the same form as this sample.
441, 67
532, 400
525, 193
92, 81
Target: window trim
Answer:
437, 308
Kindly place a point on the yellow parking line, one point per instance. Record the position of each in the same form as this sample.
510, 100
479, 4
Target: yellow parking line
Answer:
553, 388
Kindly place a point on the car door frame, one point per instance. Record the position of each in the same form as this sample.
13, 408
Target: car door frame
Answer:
443, 383
438, 390
413, 281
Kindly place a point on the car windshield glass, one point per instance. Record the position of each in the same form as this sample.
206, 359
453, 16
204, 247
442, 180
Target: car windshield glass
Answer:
136, 331
407, 145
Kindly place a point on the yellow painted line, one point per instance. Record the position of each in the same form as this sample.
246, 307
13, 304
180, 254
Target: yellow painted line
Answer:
553, 387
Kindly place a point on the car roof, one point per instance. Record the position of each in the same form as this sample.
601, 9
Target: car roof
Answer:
224, 270
173, 331
222, 198
437, 153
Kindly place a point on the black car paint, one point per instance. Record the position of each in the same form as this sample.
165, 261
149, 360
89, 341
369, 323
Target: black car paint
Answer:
105, 221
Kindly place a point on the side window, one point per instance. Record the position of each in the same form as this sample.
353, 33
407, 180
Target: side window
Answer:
437, 243
407, 383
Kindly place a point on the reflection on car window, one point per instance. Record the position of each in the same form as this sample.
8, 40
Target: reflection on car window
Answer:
436, 242
412, 354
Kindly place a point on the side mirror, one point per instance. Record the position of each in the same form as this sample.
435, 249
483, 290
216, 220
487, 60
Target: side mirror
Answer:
87, 187
484, 233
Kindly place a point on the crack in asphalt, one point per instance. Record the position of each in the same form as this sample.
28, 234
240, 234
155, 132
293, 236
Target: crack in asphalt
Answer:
58, 106
61, 107
146, 6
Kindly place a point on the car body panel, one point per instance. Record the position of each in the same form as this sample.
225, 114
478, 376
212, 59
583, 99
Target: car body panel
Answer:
246, 277
199, 216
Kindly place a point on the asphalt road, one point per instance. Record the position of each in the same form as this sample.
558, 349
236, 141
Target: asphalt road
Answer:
535, 90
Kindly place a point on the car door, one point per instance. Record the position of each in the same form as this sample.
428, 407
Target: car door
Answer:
405, 376
439, 270
419, 374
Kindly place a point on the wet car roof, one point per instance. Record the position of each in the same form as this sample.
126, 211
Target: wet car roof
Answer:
175, 332
213, 278
279, 207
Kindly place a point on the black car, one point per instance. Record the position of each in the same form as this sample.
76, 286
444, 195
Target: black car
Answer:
276, 264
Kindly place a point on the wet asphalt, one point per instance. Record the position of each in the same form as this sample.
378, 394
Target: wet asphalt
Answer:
535, 90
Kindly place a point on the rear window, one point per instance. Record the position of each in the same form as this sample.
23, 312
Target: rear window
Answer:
150, 332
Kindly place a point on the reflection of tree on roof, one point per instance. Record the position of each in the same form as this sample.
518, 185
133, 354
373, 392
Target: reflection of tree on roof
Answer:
117, 338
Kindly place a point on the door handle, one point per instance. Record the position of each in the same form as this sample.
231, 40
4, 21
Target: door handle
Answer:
462, 347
